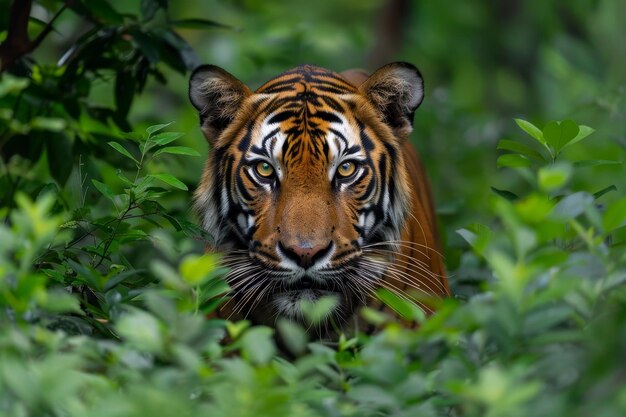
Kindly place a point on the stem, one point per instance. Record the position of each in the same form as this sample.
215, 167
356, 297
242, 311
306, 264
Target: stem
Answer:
111, 238
144, 151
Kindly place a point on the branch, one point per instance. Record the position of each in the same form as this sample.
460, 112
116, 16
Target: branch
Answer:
17, 44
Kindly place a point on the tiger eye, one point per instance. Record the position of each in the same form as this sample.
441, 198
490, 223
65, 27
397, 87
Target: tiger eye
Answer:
346, 169
264, 169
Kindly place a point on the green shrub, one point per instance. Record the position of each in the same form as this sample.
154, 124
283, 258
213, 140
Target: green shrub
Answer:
85, 332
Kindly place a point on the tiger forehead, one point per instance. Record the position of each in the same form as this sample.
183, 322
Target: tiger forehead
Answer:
308, 110
306, 80
302, 139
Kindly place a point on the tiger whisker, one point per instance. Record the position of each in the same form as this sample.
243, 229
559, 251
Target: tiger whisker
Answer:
401, 275
402, 294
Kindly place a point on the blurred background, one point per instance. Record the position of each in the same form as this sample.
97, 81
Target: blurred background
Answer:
484, 63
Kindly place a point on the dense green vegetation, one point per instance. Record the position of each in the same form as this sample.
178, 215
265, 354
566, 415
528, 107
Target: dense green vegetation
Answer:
104, 288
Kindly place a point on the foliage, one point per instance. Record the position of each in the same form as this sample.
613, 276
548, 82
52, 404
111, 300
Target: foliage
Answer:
105, 290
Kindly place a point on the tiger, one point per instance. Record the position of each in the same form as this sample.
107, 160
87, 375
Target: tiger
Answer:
312, 189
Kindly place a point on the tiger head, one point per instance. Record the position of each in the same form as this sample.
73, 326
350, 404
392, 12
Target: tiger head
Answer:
303, 174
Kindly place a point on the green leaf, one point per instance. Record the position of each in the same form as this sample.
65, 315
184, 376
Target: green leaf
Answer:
257, 345
532, 130
134, 136
178, 150
121, 277
10, 84
477, 235
148, 8
143, 183
165, 138
375, 317
122, 150
615, 215
104, 189
142, 331
373, 396
48, 123
512, 160
583, 132
186, 53
102, 10
146, 44
560, 134
124, 92
552, 133
596, 162
406, 308
569, 130
60, 156
572, 206
123, 177
171, 180
317, 311
198, 24
196, 269
235, 329
132, 235
156, 128
510, 145
554, 176
61, 302
505, 194
293, 335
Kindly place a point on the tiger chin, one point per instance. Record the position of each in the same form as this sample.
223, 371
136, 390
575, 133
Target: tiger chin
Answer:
312, 189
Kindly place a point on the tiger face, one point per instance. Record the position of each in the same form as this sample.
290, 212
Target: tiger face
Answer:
304, 174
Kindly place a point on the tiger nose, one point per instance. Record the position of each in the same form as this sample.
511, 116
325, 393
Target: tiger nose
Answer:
305, 254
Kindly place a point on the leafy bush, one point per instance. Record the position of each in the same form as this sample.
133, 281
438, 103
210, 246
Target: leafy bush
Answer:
105, 289
544, 337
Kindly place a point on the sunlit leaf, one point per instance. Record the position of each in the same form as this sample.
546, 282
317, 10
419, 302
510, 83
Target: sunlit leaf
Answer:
156, 128
583, 132
166, 137
316, 311
171, 180
195, 269
178, 150
554, 176
532, 130
406, 308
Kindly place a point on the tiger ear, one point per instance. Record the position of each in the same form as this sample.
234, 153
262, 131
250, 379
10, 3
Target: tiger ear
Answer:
396, 91
217, 96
